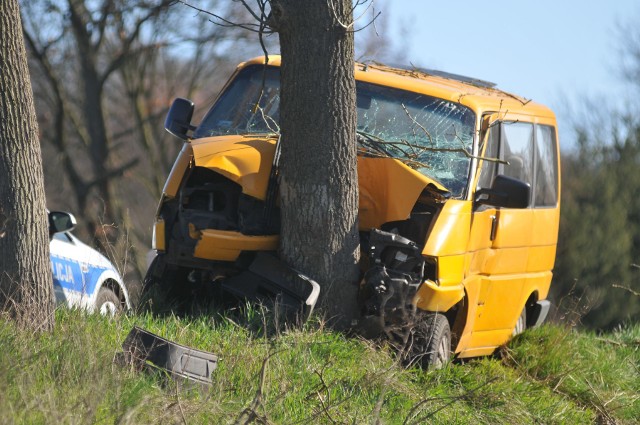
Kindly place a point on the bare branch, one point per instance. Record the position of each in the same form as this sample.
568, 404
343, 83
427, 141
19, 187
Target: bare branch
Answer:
462, 149
59, 140
626, 288
268, 121
360, 3
102, 22
250, 10
125, 50
253, 27
348, 26
371, 22
412, 118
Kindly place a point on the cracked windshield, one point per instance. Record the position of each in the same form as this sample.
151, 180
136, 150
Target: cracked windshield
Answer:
430, 135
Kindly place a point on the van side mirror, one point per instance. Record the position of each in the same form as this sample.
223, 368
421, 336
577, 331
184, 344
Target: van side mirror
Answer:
178, 121
60, 221
506, 192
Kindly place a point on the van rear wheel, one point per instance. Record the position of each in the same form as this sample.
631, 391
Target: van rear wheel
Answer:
431, 342
521, 324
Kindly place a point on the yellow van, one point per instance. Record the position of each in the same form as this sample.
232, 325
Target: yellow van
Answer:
459, 205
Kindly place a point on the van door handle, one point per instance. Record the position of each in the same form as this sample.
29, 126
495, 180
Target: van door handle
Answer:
494, 227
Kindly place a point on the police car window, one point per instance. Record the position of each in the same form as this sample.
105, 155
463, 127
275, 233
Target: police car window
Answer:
63, 237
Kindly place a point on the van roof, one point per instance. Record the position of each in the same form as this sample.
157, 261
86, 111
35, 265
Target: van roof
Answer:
479, 95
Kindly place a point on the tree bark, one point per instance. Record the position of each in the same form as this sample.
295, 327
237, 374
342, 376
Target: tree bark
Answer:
318, 172
26, 288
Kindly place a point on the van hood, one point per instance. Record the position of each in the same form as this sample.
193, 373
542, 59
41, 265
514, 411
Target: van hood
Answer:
244, 160
389, 189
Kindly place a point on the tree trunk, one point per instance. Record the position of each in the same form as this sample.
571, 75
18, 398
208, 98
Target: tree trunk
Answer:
26, 289
318, 172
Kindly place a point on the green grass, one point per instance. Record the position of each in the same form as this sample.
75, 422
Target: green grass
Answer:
311, 375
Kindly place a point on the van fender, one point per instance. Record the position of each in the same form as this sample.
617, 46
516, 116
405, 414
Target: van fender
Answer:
431, 297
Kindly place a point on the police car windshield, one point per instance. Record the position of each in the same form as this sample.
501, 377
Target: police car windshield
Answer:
432, 135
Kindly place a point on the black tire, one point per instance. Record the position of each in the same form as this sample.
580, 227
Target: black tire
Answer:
431, 342
152, 277
165, 288
521, 323
108, 303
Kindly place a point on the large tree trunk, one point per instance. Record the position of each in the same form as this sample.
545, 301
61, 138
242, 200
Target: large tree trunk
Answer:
26, 289
318, 173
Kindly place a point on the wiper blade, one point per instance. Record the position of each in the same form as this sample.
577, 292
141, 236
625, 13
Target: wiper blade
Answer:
265, 135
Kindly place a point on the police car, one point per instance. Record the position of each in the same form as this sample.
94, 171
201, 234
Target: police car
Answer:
82, 277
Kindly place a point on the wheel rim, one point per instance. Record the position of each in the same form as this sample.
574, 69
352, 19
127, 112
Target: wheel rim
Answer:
108, 309
442, 355
520, 325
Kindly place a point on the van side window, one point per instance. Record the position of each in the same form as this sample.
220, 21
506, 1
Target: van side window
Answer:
546, 188
489, 169
517, 151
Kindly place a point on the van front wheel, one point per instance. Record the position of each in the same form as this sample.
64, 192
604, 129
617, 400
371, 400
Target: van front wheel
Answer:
432, 341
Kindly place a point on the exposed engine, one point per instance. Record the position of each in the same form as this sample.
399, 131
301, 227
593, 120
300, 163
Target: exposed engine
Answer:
208, 200
396, 266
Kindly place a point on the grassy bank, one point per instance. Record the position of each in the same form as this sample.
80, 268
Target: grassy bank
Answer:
547, 375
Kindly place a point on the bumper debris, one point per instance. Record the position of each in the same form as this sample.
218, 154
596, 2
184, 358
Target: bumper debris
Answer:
142, 347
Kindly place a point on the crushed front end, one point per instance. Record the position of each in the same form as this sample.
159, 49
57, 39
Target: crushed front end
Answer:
219, 208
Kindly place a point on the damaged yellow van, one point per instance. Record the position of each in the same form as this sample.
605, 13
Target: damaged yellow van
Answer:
459, 205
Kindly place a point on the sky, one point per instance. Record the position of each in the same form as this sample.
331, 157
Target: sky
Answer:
551, 51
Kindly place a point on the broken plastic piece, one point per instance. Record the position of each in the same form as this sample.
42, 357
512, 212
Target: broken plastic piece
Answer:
269, 277
142, 346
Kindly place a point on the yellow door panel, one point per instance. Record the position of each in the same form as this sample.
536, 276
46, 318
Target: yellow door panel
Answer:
482, 223
499, 247
514, 228
502, 302
484, 343
507, 261
541, 258
472, 292
545, 226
